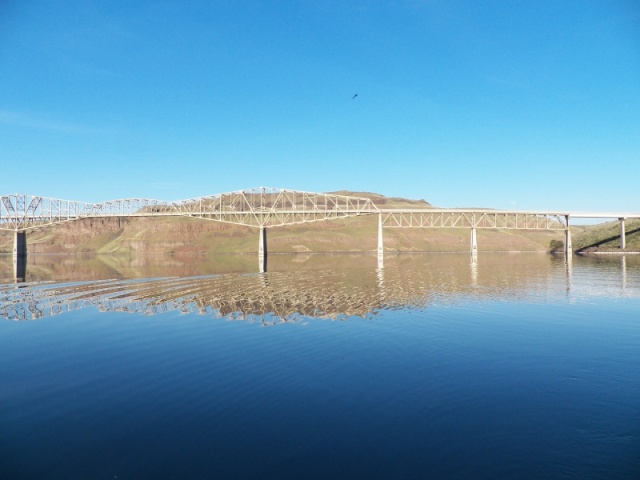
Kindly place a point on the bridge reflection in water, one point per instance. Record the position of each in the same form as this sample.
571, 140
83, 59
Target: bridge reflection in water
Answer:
328, 287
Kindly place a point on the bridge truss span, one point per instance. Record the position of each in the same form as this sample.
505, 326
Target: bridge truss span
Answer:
258, 207
131, 207
485, 219
272, 207
24, 212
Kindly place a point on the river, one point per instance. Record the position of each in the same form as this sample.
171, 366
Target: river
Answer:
435, 366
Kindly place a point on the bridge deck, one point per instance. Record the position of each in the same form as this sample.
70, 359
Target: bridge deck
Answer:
270, 207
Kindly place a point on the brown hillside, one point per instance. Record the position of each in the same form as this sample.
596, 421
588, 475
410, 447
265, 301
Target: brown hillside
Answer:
386, 202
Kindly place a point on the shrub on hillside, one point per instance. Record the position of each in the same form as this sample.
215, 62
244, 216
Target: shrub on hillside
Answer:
556, 246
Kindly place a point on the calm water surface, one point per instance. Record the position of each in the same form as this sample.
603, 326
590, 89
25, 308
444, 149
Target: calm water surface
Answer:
519, 366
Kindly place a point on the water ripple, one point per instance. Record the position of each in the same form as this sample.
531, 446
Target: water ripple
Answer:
290, 296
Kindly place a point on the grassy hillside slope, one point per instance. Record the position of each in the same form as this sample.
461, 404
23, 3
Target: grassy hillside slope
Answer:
605, 237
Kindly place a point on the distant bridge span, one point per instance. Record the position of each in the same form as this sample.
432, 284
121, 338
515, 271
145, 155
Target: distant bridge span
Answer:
273, 207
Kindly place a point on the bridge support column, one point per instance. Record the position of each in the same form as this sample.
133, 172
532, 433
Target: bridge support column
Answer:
20, 255
380, 240
623, 240
20, 244
474, 241
262, 250
568, 249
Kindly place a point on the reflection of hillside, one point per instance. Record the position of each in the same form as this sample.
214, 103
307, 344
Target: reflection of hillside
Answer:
99, 267
347, 290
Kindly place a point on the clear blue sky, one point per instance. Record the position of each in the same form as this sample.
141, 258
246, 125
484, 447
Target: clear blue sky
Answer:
503, 104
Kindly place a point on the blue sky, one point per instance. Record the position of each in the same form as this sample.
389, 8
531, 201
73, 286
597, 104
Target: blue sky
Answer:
503, 104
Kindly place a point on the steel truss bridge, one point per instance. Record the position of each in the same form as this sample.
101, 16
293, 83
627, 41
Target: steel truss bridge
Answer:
274, 207
262, 208
258, 207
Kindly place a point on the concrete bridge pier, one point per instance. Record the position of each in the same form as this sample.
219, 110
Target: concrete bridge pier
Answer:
262, 250
568, 249
20, 244
623, 240
380, 241
474, 241
20, 255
